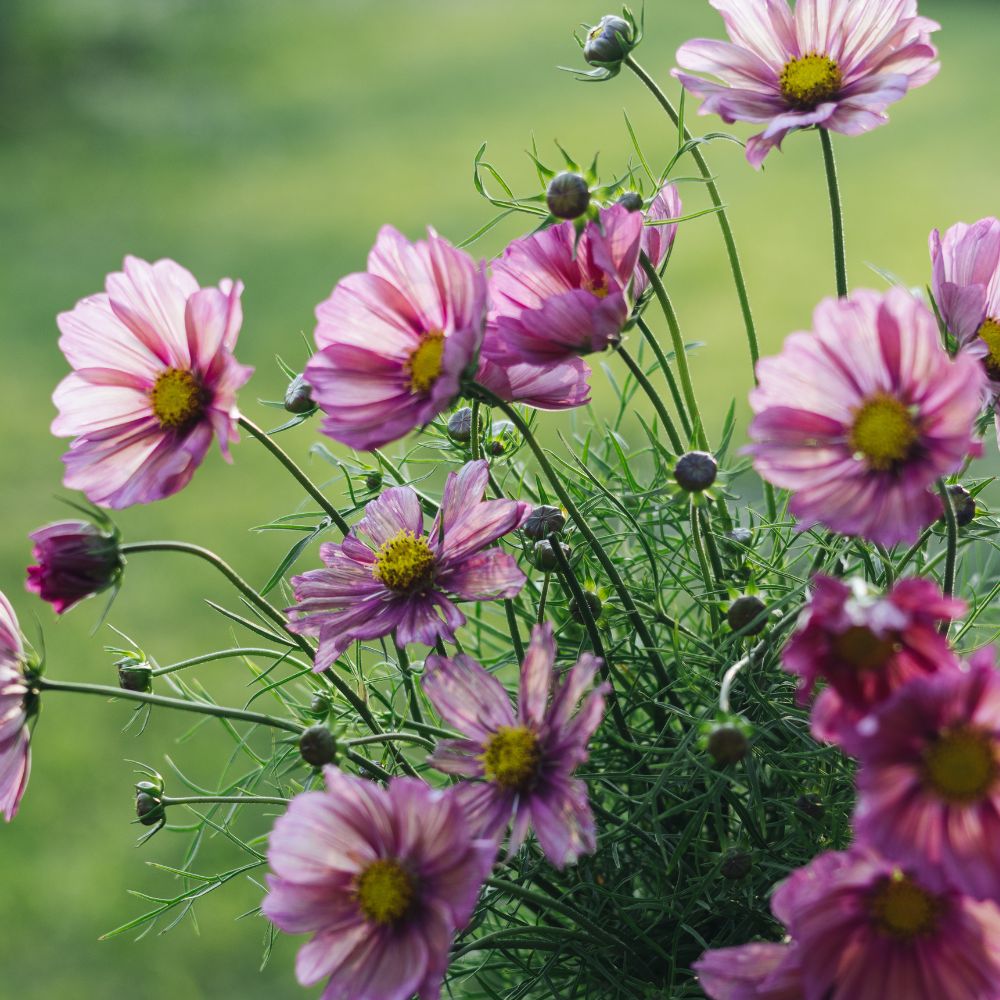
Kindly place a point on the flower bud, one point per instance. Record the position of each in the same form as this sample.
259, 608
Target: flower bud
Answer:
503, 438
609, 41
318, 746
543, 521
544, 556
593, 602
321, 705
631, 201
727, 745
373, 481
149, 807
736, 865
696, 471
134, 674
460, 425
963, 503
811, 805
738, 541
568, 195
76, 559
743, 615
298, 396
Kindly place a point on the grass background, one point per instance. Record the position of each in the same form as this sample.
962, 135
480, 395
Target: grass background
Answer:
268, 142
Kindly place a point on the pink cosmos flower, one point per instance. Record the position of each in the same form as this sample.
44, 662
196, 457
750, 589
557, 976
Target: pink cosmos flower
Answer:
75, 560
757, 971
929, 784
388, 575
382, 877
154, 378
15, 749
526, 761
395, 341
560, 386
866, 646
658, 240
859, 418
835, 64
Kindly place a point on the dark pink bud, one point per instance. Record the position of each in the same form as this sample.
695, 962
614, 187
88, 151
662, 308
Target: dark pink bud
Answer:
75, 560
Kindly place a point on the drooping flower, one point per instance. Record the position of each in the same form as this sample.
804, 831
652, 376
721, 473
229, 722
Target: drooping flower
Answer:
657, 239
561, 386
835, 64
859, 418
76, 560
395, 341
929, 783
524, 761
388, 575
866, 646
756, 971
382, 877
15, 710
154, 378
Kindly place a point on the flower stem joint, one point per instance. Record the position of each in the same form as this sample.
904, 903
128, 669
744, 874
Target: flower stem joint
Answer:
318, 746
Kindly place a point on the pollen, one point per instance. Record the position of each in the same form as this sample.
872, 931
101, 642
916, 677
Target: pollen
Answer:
990, 333
177, 398
511, 758
597, 287
961, 766
425, 362
385, 891
810, 80
860, 647
405, 563
884, 432
902, 909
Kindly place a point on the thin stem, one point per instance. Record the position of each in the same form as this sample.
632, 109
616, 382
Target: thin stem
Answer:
836, 212
199, 707
647, 387
236, 800
912, 552
952, 550
411, 688
668, 374
304, 481
474, 440
227, 654
541, 599
515, 635
358, 741
706, 573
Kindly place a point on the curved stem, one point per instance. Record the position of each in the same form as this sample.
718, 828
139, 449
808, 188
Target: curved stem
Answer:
647, 387
952, 550
236, 800
668, 374
474, 439
515, 633
227, 654
358, 741
836, 212
411, 688
706, 573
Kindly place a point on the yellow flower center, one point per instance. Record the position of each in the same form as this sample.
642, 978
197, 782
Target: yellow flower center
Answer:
990, 333
962, 765
810, 80
385, 891
177, 398
598, 288
405, 563
884, 432
902, 909
862, 648
424, 364
511, 758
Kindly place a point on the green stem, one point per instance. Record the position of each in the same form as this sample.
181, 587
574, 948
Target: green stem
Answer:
912, 552
515, 635
411, 688
836, 212
952, 549
640, 376
358, 741
668, 374
228, 654
236, 800
706, 573
541, 599
474, 440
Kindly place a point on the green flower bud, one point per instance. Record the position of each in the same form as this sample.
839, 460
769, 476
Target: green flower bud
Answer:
736, 865
727, 745
134, 674
149, 807
373, 481
609, 41
593, 603
747, 614
568, 195
631, 201
318, 746
963, 503
543, 521
298, 396
696, 471
460, 425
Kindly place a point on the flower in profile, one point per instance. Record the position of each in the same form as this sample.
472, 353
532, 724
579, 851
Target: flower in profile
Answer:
929, 783
658, 238
388, 575
154, 379
525, 761
835, 64
756, 971
382, 877
395, 341
76, 560
861, 417
15, 711
866, 646
560, 386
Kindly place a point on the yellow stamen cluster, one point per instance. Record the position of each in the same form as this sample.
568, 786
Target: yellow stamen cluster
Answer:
425, 362
511, 758
385, 891
405, 563
810, 80
884, 432
598, 287
961, 766
177, 398
902, 909
863, 649
990, 333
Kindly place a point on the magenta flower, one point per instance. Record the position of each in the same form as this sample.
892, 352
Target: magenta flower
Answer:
929, 784
560, 386
401, 579
395, 342
866, 646
526, 761
861, 417
75, 560
15, 748
382, 877
154, 378
835, 64
757, 971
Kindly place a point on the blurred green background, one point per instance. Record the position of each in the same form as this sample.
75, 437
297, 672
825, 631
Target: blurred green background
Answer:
268, 142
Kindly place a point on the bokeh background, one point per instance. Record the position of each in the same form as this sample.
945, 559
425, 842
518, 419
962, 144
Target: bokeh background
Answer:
268, 141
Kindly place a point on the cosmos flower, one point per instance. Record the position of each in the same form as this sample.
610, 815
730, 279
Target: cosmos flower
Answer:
835, 64
15, 711
382, 877
865, 646
756, 971
658, 240
76, 559
395, 341
859, 418
154, 379
524, 761
388, 575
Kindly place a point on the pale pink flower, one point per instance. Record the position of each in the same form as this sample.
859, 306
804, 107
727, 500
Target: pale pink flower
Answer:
15, 704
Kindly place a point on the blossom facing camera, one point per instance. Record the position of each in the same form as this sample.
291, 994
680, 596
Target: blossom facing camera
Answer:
521, 764
75, 560
834, 64
383, 878
16, 708
154, 380
859, 418
389, 575
395, 341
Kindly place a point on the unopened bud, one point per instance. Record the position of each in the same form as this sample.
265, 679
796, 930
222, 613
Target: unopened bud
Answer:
631, 201
373, 481
811, 805
134, 674
318, 746
543, 521
963, 504
736, 865
321, 705
696, 471
747, 614
568, 195
460, 425
728, 745
149, 807
605, 41
298, 396
592, 601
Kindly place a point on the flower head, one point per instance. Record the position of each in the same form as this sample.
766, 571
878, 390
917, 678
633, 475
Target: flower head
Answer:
658, 234
866, 646
929, 784
154, 379
76, 559
524, 761
389, 575
757, 971
395, 341
859, 418
15, 711
382, 877
836, 64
